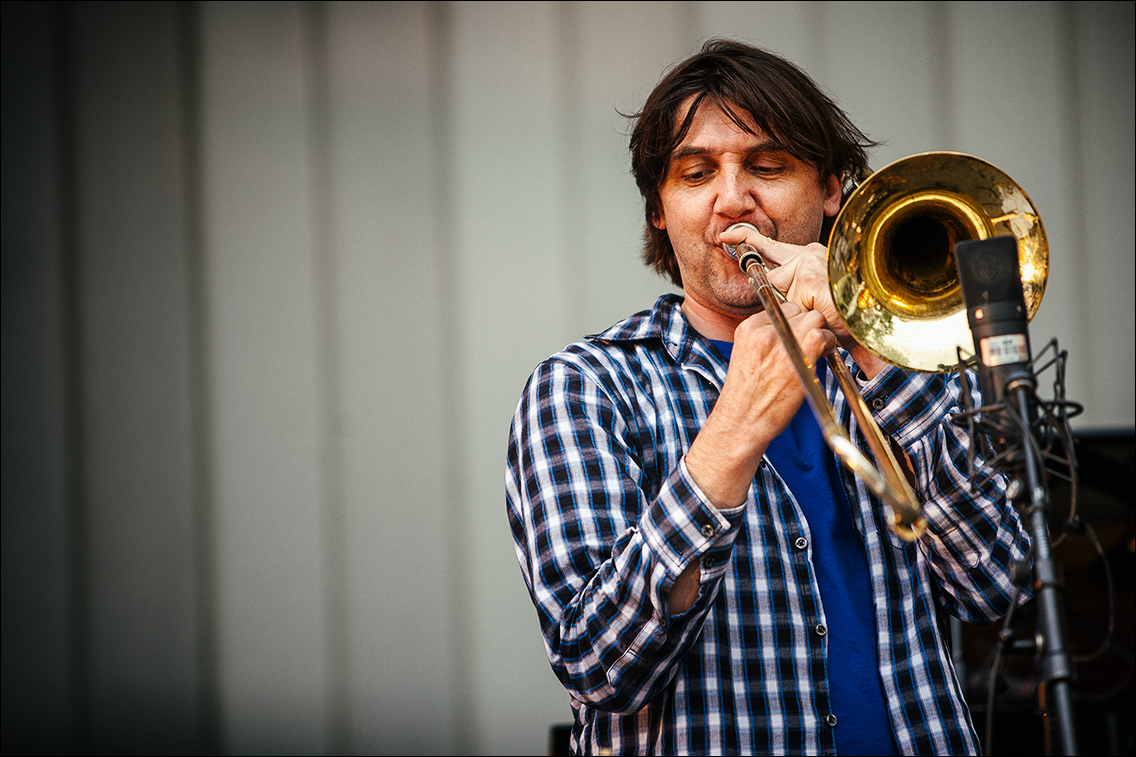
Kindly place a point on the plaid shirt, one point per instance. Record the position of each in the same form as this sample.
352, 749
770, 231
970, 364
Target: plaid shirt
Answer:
605, 517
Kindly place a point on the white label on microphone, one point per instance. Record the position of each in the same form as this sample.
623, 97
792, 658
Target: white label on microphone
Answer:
1007, 348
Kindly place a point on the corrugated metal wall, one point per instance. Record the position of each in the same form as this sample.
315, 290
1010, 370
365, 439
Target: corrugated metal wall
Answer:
274, 276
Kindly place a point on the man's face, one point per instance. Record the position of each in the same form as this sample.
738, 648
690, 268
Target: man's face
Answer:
720, 175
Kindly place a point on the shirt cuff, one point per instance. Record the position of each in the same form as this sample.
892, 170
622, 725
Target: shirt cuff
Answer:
682, 526
906, 404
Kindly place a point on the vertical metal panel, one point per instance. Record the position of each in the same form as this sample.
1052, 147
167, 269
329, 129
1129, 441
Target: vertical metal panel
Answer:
607, 226
133, 306
788, 29
205, 595
511, 312
386, 218
260, 274
887, 88
40, 676
1010, 109
328, 377
1103, 48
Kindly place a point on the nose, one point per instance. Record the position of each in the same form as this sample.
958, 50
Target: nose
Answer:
736, 195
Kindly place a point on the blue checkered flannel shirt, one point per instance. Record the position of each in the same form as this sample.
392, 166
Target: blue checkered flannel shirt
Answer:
604, 518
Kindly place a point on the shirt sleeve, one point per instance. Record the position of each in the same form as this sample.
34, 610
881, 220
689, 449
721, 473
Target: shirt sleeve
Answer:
974, 535
600, 545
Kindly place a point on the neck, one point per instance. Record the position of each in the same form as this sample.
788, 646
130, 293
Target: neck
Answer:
709, 322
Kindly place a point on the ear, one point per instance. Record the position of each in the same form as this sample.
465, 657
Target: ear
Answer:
832, 195
659, 220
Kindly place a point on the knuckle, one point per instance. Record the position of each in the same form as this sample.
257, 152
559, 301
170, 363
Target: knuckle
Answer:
767, 338
814, 319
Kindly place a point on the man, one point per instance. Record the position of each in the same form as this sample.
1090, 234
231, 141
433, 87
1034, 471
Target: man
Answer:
707, 579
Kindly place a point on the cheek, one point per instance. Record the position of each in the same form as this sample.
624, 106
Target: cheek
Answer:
684, 210
805, 204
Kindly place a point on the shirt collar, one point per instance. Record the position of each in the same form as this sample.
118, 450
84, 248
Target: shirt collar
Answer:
666, 323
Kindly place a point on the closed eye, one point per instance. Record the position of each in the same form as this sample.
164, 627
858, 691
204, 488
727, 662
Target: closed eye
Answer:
698, 174
766, 169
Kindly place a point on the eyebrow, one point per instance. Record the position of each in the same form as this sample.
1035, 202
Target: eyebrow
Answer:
694, 150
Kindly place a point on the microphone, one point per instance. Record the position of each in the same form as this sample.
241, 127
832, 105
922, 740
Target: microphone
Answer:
990, 278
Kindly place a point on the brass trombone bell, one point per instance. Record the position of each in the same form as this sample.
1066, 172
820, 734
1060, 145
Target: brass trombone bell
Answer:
891, 264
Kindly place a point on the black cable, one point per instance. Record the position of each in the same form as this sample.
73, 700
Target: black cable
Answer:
1111, 599
1005, 635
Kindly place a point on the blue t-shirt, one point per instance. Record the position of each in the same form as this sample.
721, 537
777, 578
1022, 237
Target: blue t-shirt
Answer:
809, 469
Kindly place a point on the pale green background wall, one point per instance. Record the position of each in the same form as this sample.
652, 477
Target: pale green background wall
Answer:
275, 274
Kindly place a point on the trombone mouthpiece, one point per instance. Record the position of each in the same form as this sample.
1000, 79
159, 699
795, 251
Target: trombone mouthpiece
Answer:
732, 249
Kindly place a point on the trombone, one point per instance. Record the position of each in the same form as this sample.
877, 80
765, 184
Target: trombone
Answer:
891, 271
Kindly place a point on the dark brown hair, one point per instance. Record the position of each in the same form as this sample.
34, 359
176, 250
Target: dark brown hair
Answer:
783, 101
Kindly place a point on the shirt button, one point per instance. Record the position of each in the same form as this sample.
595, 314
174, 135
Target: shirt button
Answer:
878, 403
831, 720
708, 531
801, 542
821, 630
707, 561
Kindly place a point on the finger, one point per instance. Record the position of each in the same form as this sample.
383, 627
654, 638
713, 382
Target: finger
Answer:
801, 322
808, 320
739, 233
795, 282
761, 319
816, 343
792, 310
776, 253
785, 274
813, 336
809, 286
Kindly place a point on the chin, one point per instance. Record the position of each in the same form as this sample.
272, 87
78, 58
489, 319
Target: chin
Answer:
748, 310
746, 303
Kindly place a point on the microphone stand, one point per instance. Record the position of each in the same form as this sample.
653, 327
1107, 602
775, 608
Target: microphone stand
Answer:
989, 276
1054, 694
